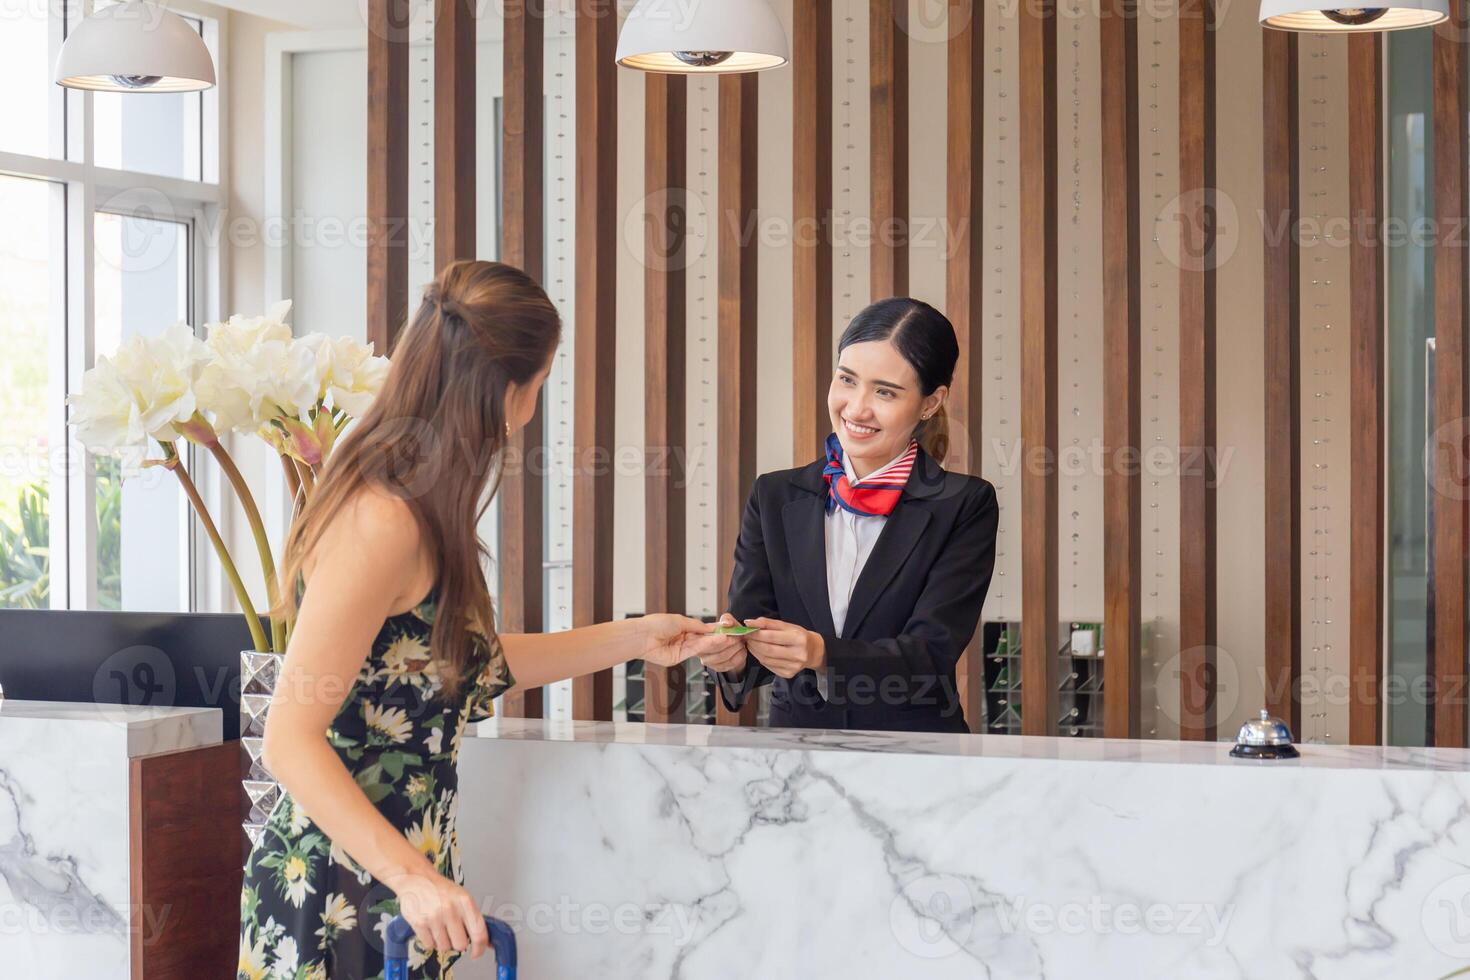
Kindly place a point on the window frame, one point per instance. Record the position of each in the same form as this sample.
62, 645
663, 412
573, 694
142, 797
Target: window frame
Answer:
78, 185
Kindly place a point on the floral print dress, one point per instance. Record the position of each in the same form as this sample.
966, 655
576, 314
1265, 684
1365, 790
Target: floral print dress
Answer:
307, 910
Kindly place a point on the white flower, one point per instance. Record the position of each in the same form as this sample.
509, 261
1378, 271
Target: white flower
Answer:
417, 954
390, 723
407, 654
257, 371
299, 819
144, 390
348, 374
251, 964
340, 916
239, 334
426, 837
104, 413
297, 886
434, 741
407, 661
286, 958
341, 857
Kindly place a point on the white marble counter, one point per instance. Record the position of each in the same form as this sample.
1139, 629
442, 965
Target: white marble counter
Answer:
137, 729
64, 836
673, 851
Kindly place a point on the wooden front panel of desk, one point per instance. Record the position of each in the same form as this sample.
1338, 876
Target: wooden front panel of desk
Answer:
186, 858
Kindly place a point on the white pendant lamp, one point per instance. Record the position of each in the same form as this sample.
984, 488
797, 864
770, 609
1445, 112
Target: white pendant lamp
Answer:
705, 37
1348, 16
135, 47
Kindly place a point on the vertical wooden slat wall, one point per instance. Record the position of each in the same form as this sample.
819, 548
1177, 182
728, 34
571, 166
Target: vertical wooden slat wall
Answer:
736, 326
523, 232
964, 208
811, 321
963, 272
664, 257
454, 132
1037, 87
1282, 366
1122, 382
387, 171
1197, 599
1037, 200
1447, 652
1365, 210
888, 46
595, 367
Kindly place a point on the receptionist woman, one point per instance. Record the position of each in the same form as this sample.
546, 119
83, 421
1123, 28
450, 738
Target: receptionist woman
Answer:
865, 570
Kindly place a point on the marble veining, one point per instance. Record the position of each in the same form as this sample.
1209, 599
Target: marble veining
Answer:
659, 851
51, 884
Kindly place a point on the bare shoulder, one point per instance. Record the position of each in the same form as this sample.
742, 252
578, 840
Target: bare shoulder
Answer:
376, 540
380, 522
385, 517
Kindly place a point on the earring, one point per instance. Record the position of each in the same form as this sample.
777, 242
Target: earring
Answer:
507, 428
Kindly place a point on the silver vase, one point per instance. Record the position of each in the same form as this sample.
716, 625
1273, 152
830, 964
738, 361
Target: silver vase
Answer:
258, 673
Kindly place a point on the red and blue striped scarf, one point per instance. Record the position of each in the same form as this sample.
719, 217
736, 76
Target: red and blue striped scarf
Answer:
875, 498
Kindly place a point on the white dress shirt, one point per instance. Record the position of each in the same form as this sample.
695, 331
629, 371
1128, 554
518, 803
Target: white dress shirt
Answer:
850, 540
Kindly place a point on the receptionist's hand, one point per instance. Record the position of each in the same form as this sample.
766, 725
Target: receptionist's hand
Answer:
786, 650
722, 654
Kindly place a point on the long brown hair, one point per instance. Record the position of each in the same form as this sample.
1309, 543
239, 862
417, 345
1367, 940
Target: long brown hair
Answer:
435, 435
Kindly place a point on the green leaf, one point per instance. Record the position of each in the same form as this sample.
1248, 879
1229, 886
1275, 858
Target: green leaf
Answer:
394, 762
389, 905
376, 792
25, 560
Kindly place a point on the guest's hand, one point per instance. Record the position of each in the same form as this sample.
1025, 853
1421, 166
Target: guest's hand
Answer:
722, 654
443, 915
785, 649
668, 638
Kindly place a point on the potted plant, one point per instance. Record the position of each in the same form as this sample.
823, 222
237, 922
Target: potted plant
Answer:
249, 375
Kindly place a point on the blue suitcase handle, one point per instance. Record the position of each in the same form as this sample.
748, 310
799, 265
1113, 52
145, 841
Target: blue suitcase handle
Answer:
399, 932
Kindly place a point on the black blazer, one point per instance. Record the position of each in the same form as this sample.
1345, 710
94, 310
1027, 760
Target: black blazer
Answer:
914, 607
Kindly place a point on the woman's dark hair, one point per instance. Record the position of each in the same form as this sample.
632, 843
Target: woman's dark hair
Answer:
926, 339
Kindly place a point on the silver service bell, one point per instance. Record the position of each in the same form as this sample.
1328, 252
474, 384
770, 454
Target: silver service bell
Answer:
1264, 738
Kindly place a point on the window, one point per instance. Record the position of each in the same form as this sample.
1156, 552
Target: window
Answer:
141, 287
89, 257
28, 313
26, 50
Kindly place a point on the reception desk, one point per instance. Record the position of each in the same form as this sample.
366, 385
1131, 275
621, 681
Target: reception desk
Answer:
119, 842
645, 851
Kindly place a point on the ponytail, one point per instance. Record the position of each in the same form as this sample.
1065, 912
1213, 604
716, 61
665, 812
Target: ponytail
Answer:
933, 434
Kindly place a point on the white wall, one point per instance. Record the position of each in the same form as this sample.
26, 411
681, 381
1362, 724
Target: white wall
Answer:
243, 275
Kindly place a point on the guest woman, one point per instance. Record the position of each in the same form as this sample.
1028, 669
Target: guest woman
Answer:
395, 648
865, 570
